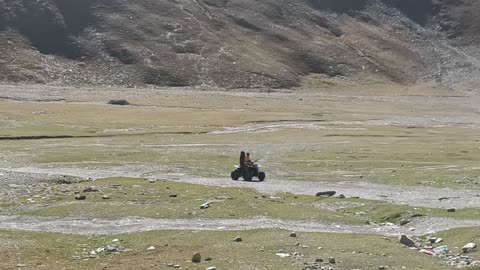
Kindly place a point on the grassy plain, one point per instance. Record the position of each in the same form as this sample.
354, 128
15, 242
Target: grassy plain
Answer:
407, 140
399, 137
256, 251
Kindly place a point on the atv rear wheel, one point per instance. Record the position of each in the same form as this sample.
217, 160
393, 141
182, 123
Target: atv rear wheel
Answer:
261, 176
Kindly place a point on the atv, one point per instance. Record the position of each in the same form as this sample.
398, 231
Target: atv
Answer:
248, 172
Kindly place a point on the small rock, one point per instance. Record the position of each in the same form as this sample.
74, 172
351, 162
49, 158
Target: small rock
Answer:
407, 241
80, 197
20, 265
118, 102
176, 266
205, 206
325, 193
451, 210
341, 196
67, 181
238, 239
319, 260
293, 234
211, 268
170, 264
331, 260
90, 189
151, 248
196, 258
172, 195
208, 259
404, 221
381, 268
152, 181
105, 197
468, 247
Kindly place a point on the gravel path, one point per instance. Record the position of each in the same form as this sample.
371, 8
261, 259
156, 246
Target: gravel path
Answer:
406, 195
139, 224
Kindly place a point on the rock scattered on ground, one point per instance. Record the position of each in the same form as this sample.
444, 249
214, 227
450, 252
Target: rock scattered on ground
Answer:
325, 193
468, 247
90, 189
407, 241
80, 197
428, 248
196, 258
238, 239
293, 234
118, 102
319, 264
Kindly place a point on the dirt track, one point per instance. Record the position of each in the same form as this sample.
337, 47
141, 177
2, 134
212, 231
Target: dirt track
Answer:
138, 224
414, 196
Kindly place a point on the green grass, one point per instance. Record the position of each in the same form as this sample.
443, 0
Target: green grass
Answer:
138, 197
342, 147
53, 251
385, 212
394, 155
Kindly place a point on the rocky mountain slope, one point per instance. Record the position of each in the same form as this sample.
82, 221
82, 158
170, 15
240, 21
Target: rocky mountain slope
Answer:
239, 44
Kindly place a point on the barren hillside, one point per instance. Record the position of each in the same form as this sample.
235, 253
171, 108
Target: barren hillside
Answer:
238, 44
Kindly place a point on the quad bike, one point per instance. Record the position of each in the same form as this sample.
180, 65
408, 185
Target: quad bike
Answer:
248, 172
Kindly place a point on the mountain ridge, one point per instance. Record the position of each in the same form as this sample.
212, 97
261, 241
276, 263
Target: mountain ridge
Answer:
238, 44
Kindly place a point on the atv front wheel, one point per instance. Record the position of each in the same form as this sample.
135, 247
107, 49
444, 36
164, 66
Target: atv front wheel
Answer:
261, 176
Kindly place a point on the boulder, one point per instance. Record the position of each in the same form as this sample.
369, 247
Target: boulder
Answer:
325, 193
118, 102
468, 247
407, 241
196, 258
